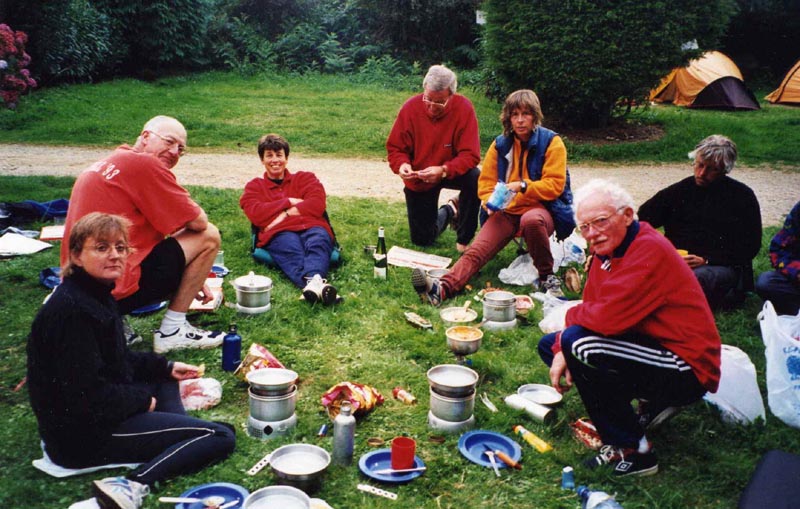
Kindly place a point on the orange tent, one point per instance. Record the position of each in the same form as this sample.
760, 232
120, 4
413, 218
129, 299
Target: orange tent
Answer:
789, 91
681, 86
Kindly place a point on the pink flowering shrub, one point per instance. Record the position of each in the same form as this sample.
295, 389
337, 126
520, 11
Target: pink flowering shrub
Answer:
15, 78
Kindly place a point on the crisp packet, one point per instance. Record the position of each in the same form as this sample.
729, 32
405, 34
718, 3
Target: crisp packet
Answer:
257, 357
584, 432
362, 398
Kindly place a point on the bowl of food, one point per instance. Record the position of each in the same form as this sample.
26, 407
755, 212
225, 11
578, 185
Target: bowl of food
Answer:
458, 316
464, 339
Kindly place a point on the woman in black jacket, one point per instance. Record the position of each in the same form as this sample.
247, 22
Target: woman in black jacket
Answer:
97, 402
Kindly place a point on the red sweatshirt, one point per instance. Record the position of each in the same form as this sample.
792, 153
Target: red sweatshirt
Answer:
263, 200
649, 289
451, 139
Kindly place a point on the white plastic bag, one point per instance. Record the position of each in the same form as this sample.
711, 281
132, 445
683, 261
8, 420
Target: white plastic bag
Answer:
555, 311
521, 272
781, 335
200, 393
737, 397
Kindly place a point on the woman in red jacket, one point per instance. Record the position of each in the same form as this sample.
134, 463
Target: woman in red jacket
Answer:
289, 211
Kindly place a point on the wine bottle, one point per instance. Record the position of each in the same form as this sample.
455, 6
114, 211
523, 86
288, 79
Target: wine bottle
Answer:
381, 259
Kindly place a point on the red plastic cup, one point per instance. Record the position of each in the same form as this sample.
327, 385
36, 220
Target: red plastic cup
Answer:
403, 450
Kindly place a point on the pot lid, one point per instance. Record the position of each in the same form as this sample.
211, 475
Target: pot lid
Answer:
252, 282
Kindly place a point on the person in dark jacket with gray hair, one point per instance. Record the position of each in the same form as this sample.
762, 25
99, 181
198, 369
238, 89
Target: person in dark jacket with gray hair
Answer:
96, 401
713, 220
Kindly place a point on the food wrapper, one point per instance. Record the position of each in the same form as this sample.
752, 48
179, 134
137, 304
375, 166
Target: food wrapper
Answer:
257, 357
584, 432
362, 398
200, 393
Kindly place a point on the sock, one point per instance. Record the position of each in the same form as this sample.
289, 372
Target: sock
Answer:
172, 321
644, 445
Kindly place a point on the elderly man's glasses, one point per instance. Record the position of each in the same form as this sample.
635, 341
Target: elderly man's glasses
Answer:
600, 224
440, 104
103, 249
171, 142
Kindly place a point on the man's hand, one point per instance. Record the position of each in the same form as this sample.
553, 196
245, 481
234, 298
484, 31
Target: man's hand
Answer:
557, 370
183, 371
204, 295
431, 174
694, 261
295, 201
406, 172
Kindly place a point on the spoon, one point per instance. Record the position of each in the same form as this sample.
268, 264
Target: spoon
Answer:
212, 501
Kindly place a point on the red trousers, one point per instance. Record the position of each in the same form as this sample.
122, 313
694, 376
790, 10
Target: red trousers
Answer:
536, 226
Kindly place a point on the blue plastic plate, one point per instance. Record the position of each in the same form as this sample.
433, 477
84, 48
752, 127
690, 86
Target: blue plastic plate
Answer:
221, 489
472, 446
382, 459
150, 308
220, 270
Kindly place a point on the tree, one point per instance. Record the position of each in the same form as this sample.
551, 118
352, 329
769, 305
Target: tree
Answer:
584, 56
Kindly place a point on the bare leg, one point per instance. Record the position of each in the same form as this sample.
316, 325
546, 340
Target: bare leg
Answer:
200, 249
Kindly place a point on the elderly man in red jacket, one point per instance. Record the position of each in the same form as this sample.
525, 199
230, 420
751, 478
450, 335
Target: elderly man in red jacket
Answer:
434, 144
643, 331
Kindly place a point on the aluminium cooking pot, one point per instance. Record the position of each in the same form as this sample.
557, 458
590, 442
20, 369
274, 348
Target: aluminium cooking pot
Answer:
277, 497
252, 291
452, 409
452, 380
300, 466
499, 306
273, 408
271, 381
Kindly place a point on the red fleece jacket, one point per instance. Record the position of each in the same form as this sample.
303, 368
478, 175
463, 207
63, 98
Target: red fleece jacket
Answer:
451, 140
263, 200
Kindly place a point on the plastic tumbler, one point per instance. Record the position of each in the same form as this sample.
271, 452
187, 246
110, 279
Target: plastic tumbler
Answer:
402, 454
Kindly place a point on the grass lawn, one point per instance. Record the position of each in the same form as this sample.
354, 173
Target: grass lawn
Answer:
338, 117
704, 463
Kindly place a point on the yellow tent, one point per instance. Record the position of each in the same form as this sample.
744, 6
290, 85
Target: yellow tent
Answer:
681, 85
789, 91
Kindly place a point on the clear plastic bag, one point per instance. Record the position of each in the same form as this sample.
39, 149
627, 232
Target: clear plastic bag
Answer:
781, 335
738, 398
200, 393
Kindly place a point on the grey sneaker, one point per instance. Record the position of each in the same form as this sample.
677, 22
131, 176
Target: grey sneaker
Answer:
435, 294
419, 280
186, 336
552, 285
119, 493
131, 336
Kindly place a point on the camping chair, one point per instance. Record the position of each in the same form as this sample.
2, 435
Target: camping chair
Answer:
261, 255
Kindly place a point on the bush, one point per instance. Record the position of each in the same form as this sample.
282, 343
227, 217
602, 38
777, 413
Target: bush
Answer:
15, 78
78, 41
238, 46
583, 56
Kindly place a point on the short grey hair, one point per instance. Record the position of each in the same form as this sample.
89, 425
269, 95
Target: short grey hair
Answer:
617, 196
718, 150
440, 78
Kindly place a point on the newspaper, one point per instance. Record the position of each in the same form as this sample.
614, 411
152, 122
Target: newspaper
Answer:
402, 257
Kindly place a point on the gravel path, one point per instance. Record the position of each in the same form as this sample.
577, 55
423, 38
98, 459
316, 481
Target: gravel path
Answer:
777, 190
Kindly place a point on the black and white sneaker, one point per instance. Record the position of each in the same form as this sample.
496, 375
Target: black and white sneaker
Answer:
626, 461
318, 290
637, 464
131, 336
653, 415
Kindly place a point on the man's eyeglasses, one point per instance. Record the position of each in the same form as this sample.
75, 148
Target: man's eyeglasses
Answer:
435, 103
171, 142
599, 224
104, 249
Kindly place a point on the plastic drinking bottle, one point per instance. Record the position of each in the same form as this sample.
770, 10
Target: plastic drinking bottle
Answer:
344, 431
231, 349
381, 260
591, 499
536, 442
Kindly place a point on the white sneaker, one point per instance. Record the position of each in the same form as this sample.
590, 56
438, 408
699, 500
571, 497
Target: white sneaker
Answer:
318, 289
187, 336
119, 493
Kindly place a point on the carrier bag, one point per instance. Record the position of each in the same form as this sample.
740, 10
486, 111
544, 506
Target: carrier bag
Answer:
781, 335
